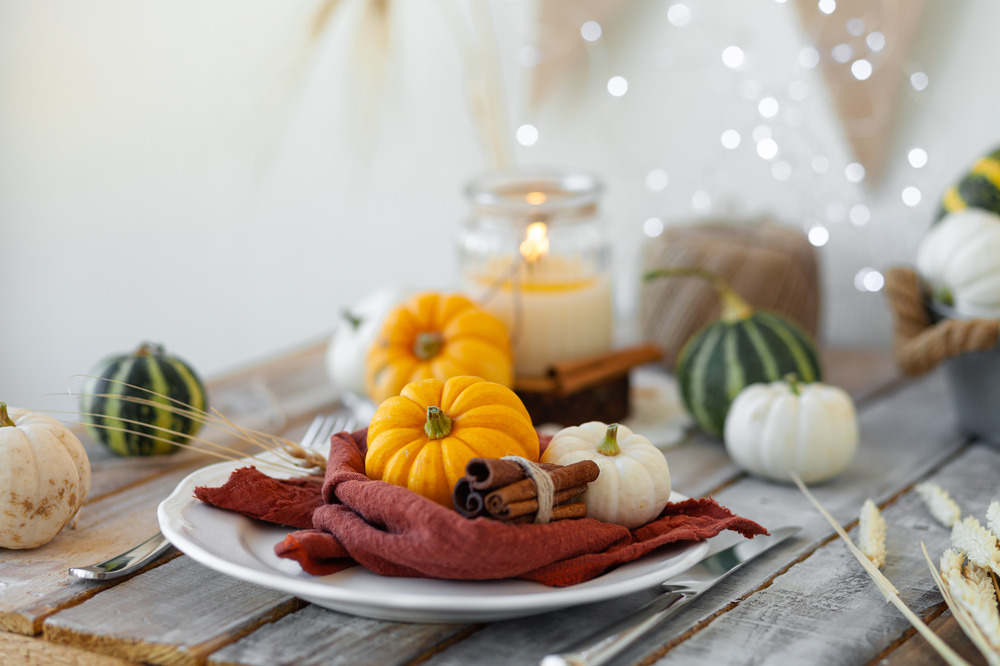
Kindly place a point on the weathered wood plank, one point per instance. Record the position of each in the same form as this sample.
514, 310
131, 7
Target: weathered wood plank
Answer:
177, 613
36, 583
320, 637
895, 452
23, 651
825, 609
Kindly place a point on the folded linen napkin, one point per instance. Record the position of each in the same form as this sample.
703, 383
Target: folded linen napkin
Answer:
393, 531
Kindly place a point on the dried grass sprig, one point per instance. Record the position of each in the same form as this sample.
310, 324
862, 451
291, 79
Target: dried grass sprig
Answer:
887, 589
977, 542
871, 533
942, 507
960, 612
292, 456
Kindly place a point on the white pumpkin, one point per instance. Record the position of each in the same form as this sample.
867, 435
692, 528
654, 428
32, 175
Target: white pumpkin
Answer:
354, 334
959, 259
634, 483
786, 426
44, 478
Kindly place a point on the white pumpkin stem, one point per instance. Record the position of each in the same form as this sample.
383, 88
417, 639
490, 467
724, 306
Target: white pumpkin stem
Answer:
794, 384
438, 424
5, 419
734, 307
352, 319
428, 345
609, 445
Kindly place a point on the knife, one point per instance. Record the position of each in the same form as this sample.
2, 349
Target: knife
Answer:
680, 591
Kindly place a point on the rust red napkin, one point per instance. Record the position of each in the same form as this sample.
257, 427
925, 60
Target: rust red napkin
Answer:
395, 532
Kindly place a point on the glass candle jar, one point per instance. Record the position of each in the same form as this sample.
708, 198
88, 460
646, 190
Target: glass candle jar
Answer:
535, 254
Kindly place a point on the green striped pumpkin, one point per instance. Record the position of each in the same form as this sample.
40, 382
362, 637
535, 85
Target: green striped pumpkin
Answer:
980, 188
112, 404
743, 346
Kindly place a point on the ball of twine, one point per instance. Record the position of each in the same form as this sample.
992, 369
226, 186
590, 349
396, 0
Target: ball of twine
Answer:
919, 344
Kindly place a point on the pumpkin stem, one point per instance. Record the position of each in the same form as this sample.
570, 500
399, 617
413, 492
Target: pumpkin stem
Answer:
734, 307
354, 320
609, 445
5, 419
149, 349
427, 345
794, 383
438, 424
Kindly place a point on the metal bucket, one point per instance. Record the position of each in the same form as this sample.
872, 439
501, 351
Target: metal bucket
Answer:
974, 380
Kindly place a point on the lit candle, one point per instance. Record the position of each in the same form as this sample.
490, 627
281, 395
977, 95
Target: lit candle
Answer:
556, 307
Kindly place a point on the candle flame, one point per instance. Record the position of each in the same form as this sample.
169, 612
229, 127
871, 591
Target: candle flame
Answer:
535, 198
536, 242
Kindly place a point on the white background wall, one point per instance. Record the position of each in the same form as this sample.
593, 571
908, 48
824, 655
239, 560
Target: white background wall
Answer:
192, 173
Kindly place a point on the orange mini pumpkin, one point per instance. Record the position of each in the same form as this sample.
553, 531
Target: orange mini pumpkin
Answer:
423, 438
439, 336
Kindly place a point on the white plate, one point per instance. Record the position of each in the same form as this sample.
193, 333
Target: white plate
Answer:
244, 548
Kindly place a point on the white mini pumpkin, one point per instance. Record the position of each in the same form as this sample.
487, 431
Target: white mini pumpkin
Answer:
348, 347
634, 482
44, 478
959, 259
786, 426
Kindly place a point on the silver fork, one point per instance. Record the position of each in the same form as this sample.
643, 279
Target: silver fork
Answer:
151, 549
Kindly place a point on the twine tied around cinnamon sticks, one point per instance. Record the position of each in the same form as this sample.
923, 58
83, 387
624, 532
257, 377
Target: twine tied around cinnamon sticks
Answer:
919, 344
509, 490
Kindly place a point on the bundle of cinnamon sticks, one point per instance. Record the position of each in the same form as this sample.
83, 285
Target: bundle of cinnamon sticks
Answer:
503, 490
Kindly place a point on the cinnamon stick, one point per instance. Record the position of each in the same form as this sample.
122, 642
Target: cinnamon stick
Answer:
497, 508
561, 512
490, 473
572, 376
563, 476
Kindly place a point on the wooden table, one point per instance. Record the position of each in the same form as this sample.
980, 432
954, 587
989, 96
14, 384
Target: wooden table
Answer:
807, 601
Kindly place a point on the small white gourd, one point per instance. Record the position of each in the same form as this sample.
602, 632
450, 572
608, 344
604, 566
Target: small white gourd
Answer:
634, 482
349, 344
787, 426
959, 260
44, 477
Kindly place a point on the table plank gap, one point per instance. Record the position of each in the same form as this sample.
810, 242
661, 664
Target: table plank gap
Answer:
915, 651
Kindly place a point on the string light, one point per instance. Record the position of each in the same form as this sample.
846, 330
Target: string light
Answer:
818, 235
617, 86
917, 157
732, 57
527, 135
911, 195
875, 41
679, 14
657, 180
768, 107
919, 80
653, 227
854, 172
869, 279
861, 69
591, 31
730, 139
860, 215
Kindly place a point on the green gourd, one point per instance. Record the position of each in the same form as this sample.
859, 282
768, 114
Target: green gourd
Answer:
143, 403
743, 346
979, 188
